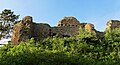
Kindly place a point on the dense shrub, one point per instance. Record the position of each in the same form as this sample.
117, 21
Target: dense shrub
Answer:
81, 50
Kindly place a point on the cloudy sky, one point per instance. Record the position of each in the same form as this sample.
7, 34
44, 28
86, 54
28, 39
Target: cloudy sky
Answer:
97, 12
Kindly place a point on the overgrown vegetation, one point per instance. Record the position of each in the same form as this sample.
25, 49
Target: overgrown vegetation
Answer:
85, 49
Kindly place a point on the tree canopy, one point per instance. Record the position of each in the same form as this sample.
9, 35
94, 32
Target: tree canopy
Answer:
7, 20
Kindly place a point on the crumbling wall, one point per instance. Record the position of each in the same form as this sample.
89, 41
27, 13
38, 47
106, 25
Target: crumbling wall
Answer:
26, 29
22, 30
40, 31
16, 34
68, 26
113, 24
68, 22
70, 31
89, 27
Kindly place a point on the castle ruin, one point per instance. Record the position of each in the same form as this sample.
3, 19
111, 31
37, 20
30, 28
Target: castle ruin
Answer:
68, 26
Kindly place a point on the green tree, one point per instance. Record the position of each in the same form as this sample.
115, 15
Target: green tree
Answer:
7, 20
112, 35
112, 42
86, 34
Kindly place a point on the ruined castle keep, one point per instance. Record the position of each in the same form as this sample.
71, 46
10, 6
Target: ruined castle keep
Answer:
68, 26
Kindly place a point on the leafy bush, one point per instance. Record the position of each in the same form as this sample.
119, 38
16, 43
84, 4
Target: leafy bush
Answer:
80, 50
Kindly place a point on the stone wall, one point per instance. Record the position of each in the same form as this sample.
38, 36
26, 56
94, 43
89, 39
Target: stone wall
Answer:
113, 24
26, 29
68, 22
40, 31
22, 30
70, 31
89, 27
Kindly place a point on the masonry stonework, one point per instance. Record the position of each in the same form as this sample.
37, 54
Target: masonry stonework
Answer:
113, 24
89, 27
26, 29
68, 22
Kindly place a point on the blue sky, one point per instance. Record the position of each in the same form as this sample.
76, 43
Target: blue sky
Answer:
97, 12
